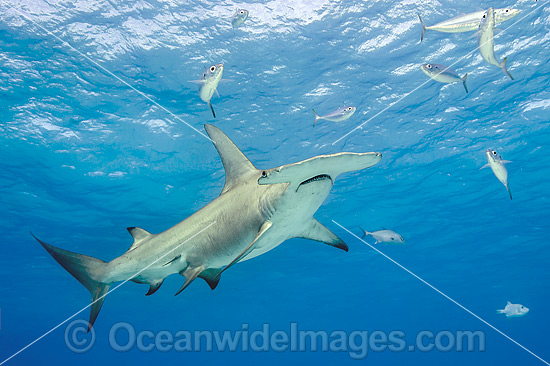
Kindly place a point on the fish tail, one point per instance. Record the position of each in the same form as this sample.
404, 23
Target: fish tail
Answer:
316, 117
365, 233
500, 311
503, 67
86, 270
423, 28
464, 82
212, 109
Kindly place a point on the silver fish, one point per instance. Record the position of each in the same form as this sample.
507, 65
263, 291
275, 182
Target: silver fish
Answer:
443, 74
341, 114
467, 22
496, 163
385, 236
513, 310
239, 17
209, 83
486, 42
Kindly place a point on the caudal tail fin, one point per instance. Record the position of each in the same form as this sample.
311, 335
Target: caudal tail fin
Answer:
87, 270
503, 67
501, 311
365, 233
464, 82
316, 117
423, 28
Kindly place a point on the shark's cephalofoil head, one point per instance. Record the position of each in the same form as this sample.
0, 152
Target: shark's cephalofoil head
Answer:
319, 168
239, 17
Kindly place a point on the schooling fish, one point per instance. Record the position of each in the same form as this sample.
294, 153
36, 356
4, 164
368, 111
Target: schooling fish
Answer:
513, 310
467, 22
208, 84
385, 236
497, 165
341, 114
239, 17
443, 74
486, 43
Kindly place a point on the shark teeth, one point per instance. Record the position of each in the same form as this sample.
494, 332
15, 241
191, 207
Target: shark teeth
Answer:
316, 178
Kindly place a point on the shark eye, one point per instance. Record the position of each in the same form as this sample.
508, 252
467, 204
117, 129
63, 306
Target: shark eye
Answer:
264, 174
212, 68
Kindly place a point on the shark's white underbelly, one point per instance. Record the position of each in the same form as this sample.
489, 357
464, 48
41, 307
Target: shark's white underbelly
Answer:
293, 215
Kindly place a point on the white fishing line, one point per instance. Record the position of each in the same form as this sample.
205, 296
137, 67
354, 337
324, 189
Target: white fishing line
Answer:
28, 17
100, 298
427, 81
444, 295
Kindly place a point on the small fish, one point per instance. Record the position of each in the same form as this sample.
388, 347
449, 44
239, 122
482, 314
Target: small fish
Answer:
443, 74
239, 17
486, 42
513, 310
208, 84
341, 114
467, 22
497, 165
385, 236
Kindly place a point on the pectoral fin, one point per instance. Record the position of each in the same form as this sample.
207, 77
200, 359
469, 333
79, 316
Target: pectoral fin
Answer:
318, 232
485, 166
266, 225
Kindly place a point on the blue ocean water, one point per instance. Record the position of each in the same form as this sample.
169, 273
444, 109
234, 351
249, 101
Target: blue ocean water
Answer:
84, 156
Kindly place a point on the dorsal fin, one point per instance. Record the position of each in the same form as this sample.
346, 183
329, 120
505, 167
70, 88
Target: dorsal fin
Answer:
139, 235
235, 163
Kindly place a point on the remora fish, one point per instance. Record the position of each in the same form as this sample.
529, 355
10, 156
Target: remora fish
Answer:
486, 42
497, 165
208, 84
467, 22
256, 211
443, 74
239, 17
385, 236
513, 310
341, 114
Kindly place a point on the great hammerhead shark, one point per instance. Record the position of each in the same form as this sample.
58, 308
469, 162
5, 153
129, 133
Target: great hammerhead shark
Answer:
256, 211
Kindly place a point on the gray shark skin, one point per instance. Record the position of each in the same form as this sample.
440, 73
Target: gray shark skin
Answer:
256, 211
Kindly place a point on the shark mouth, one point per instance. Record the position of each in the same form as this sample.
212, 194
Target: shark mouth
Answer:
315, 179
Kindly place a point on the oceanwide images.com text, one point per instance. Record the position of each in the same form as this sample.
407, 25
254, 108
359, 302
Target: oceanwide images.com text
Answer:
124, 337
